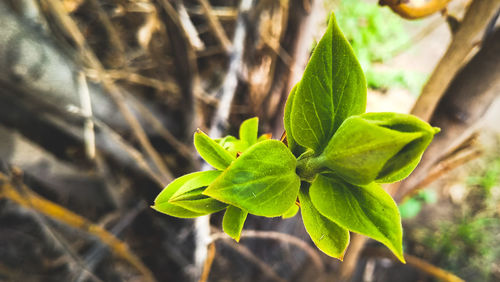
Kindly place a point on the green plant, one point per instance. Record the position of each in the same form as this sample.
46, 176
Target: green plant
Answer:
376, 35
412, 207
335, 159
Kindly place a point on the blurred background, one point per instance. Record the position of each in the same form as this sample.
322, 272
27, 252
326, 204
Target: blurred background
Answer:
99, 100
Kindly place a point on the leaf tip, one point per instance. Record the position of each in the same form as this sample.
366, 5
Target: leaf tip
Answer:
401, 258
436, 130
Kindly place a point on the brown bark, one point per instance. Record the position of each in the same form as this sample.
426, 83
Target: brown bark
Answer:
466, 100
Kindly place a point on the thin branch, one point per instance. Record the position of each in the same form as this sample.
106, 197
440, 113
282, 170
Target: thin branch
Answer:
116, 44
31, 200
16, 185
137, 156
222, 13
444, 167
189, 28
95, 254
89, 57
475, 21
246, 253
88, 126
208, 263
415, 262
219, 121
283, 237
146, 81
215, 25
181, 148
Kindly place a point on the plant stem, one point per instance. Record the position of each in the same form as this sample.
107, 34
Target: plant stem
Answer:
308, 166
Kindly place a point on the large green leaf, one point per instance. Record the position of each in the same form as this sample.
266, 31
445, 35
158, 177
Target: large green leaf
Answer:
249, 130
385, 147
333, 88
233, 221
162, 204
296, 149
326, 234
189, 195
367, 210
211, 151
360, 149
261, 181
405, 161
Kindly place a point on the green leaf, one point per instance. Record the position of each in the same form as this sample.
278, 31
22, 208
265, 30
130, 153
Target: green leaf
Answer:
211, 151
200, 203
249, 130
161, 203
367, 210
261, 181
232, 144
361, 150
189, 195
296, 149
328, 236
332, 89
202, 179
405, 161
233, 221
291, 212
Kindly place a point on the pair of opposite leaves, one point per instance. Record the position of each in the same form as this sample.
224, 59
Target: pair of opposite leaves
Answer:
336, 156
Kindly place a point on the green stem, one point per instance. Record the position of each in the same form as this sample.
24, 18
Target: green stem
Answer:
308, 166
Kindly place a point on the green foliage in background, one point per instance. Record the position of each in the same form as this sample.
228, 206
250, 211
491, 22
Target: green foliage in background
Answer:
468, 242
335, 160
412, 207
375, 35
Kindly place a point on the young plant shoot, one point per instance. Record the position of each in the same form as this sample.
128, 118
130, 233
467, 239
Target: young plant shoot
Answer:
331, 166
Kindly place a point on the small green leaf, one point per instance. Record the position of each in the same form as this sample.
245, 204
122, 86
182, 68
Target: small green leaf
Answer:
161, 203
211, 151
291, 212
261, 181
189, 195
360, 149
249, 130
202, 179
263, 137
367, 210
232, 144
328, 236
332, 89
199, 203
233, 221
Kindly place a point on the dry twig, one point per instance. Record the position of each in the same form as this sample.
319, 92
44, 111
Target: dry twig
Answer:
88, 56
475, 21
246, 253
31, 200
444, 167
208, 263
273, 235
418, 263
215, 25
